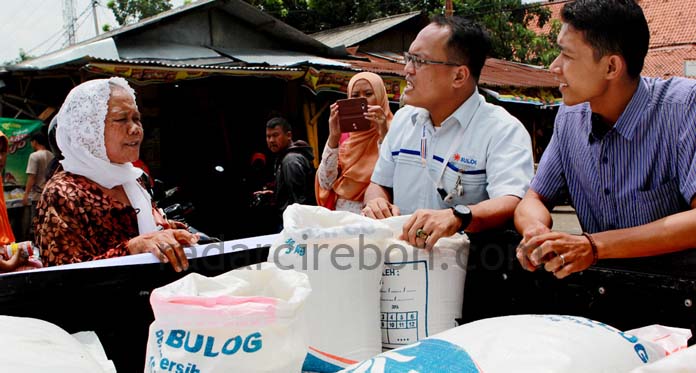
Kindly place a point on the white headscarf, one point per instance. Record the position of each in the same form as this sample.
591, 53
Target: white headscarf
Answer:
80, 137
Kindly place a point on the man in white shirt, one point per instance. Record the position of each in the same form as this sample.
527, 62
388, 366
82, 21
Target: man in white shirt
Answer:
465, 163
37, 172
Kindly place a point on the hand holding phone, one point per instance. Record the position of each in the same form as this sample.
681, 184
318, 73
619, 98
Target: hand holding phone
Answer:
351, 114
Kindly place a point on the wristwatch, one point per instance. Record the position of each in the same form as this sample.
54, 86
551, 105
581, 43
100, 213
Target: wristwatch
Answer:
463, 213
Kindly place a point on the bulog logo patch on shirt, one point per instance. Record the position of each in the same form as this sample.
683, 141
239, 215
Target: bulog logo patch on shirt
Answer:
463, 162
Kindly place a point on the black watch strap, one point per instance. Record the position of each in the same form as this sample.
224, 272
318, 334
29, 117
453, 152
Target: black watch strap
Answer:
463, 213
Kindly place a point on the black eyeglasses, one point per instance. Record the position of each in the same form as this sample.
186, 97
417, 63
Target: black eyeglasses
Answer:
418, 62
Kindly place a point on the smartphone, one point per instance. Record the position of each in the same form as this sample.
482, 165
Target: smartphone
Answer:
351, 116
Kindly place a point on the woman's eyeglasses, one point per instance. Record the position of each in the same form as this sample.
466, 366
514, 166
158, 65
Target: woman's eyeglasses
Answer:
418, 62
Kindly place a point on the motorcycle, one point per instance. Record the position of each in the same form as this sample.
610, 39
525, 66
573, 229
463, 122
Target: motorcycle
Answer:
167, 200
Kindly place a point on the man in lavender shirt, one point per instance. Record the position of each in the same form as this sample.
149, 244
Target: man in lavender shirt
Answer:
623, 148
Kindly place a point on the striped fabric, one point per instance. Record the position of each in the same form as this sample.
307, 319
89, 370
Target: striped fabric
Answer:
641, 170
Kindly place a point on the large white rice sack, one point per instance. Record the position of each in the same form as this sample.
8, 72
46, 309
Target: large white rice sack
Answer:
422, 290
522, 343
341, 253
36, 346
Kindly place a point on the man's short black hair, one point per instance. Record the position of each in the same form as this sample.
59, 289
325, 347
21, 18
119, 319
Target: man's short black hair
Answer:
40, 138
469, 43
279, 121
612, 26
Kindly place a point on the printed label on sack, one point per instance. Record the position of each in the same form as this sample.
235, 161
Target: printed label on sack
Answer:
428, 355
639, 349
199, 346
404, 302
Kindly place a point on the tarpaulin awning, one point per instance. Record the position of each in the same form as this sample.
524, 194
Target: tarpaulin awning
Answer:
164, 73
326, 80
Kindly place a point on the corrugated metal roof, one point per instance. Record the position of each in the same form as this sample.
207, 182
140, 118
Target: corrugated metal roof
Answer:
495, 73
103, 48
165, 51
182, 65
238, 8
501, 73
354, 34
173, 53
278, 57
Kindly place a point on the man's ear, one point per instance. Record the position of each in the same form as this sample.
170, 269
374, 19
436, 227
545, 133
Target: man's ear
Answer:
461, 76
616, 66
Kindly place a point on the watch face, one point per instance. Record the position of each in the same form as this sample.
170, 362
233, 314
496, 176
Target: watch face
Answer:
462, 209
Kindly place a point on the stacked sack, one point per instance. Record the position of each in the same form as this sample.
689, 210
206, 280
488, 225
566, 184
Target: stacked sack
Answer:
245, 320
521, 343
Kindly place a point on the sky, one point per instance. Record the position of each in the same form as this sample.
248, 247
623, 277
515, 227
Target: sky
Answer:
37, 25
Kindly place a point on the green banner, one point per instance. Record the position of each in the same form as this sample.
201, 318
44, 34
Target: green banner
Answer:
18, 132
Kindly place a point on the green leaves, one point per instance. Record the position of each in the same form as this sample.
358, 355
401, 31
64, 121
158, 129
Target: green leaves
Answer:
130, 11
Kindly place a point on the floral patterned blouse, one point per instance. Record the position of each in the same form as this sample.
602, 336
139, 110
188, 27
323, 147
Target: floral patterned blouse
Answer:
77, 222
328, 173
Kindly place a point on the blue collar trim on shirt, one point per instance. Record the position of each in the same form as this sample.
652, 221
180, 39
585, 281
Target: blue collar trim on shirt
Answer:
407, 151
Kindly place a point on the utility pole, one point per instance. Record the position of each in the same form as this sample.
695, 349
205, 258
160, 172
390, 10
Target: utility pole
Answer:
449, 8
69, 20
94, 15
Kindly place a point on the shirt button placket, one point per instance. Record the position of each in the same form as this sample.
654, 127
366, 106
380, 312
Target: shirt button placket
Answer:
609, 188
430, 189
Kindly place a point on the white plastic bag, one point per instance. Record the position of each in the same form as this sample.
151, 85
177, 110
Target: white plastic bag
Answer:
246, 320
683, 361
341, 252
522, 343
36, 346
422, 290
669, 338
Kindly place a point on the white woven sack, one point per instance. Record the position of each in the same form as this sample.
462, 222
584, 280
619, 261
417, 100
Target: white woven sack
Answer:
246, 320
36, 346
341, 252
520, 344
422, 290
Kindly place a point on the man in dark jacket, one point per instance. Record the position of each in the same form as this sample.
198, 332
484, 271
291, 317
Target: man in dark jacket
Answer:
294, 171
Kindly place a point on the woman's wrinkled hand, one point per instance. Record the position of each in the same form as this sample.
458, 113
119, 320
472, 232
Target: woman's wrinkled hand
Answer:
175, 224
167, 245
380, 208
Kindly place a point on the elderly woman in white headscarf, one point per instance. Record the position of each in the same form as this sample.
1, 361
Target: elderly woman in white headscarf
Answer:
96, 207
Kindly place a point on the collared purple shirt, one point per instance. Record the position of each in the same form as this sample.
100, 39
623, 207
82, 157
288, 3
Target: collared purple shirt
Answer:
642, 170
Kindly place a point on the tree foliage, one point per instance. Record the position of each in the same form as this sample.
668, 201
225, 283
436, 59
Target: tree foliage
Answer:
130, 11
23, 56
507, 20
